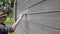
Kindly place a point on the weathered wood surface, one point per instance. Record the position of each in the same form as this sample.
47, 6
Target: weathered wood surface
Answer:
45, 23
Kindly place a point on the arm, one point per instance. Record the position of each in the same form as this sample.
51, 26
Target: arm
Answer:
17, 22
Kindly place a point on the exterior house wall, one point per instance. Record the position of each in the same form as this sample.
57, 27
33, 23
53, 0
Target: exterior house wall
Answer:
43, 17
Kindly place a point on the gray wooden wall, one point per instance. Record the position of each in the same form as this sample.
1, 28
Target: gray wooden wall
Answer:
43, 17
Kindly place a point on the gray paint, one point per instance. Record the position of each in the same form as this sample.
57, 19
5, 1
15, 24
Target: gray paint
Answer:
48, 23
